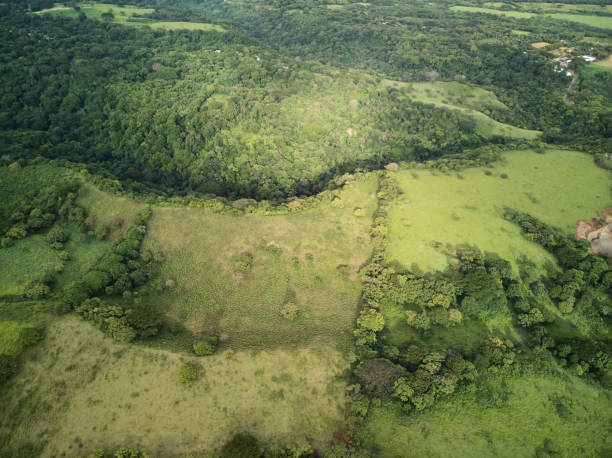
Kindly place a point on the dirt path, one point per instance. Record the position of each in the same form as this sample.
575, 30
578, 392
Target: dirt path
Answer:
567, 97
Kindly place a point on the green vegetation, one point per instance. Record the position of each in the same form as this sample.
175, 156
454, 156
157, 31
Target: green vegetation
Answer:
437, 209
126, 15
305, 229
476, 102
235, 275
102, 395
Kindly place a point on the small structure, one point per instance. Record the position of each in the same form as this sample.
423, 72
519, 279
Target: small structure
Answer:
589, 58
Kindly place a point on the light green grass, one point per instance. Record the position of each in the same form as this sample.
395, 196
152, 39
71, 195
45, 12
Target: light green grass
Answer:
468, 99
538, 408
78, 391
24, 262
602, 22
566, 7
184, 26
105, 209
559, 187
11, 338
128, 15
84, 252
310, 258
475, 9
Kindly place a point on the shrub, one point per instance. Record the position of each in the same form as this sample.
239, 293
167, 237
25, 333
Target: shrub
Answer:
205, 347
290, 311
36, 290
241, 446
188, 373
57, 236
96, 280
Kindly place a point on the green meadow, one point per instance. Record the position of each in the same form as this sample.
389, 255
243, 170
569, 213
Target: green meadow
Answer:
79, 392
128, 15
242, 275
559, 187
512, 417
477, 102
602, 22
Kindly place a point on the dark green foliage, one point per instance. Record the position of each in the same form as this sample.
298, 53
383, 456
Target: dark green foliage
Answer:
241, 446
378, 376
205, 347
8, 366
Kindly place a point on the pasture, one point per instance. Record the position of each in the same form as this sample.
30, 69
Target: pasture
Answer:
127, 15
79, 391
559, 187
243, 275
475, 101
483, 423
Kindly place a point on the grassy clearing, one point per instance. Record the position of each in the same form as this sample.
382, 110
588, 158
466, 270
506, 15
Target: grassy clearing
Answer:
78, 392
437, 209
237, 275
12, 337
104, 209
602, 22
26, 261
540, 44
471, 100
474, 9
128, 15
606, 63
567, 7
549, 408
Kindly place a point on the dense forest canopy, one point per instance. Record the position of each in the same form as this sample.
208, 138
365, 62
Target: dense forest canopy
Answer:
204, 111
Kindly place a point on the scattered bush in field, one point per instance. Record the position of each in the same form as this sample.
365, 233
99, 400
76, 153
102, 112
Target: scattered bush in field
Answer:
241, 446
36, 290
205, 347
244, 263
504, 176
290, 311
188, 373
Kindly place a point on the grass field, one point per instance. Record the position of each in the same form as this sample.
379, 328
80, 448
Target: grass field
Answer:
538, 418
602, 22
468, 99
78, 392
475, 9
309, 259
24, 262
104, 209
11, 337
128, 15
453, 209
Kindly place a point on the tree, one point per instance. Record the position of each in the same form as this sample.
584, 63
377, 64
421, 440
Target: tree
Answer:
241, 446
205, 347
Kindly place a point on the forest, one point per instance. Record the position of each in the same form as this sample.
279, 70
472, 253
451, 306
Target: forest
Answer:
288, 228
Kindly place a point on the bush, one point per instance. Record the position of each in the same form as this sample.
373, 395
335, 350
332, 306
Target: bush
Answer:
57, 236
8, 366
188, 373
36, 290
205, 347
241, 446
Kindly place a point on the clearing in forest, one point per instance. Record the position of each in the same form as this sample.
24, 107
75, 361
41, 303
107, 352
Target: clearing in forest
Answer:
267, 281
471, 100
558, 187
